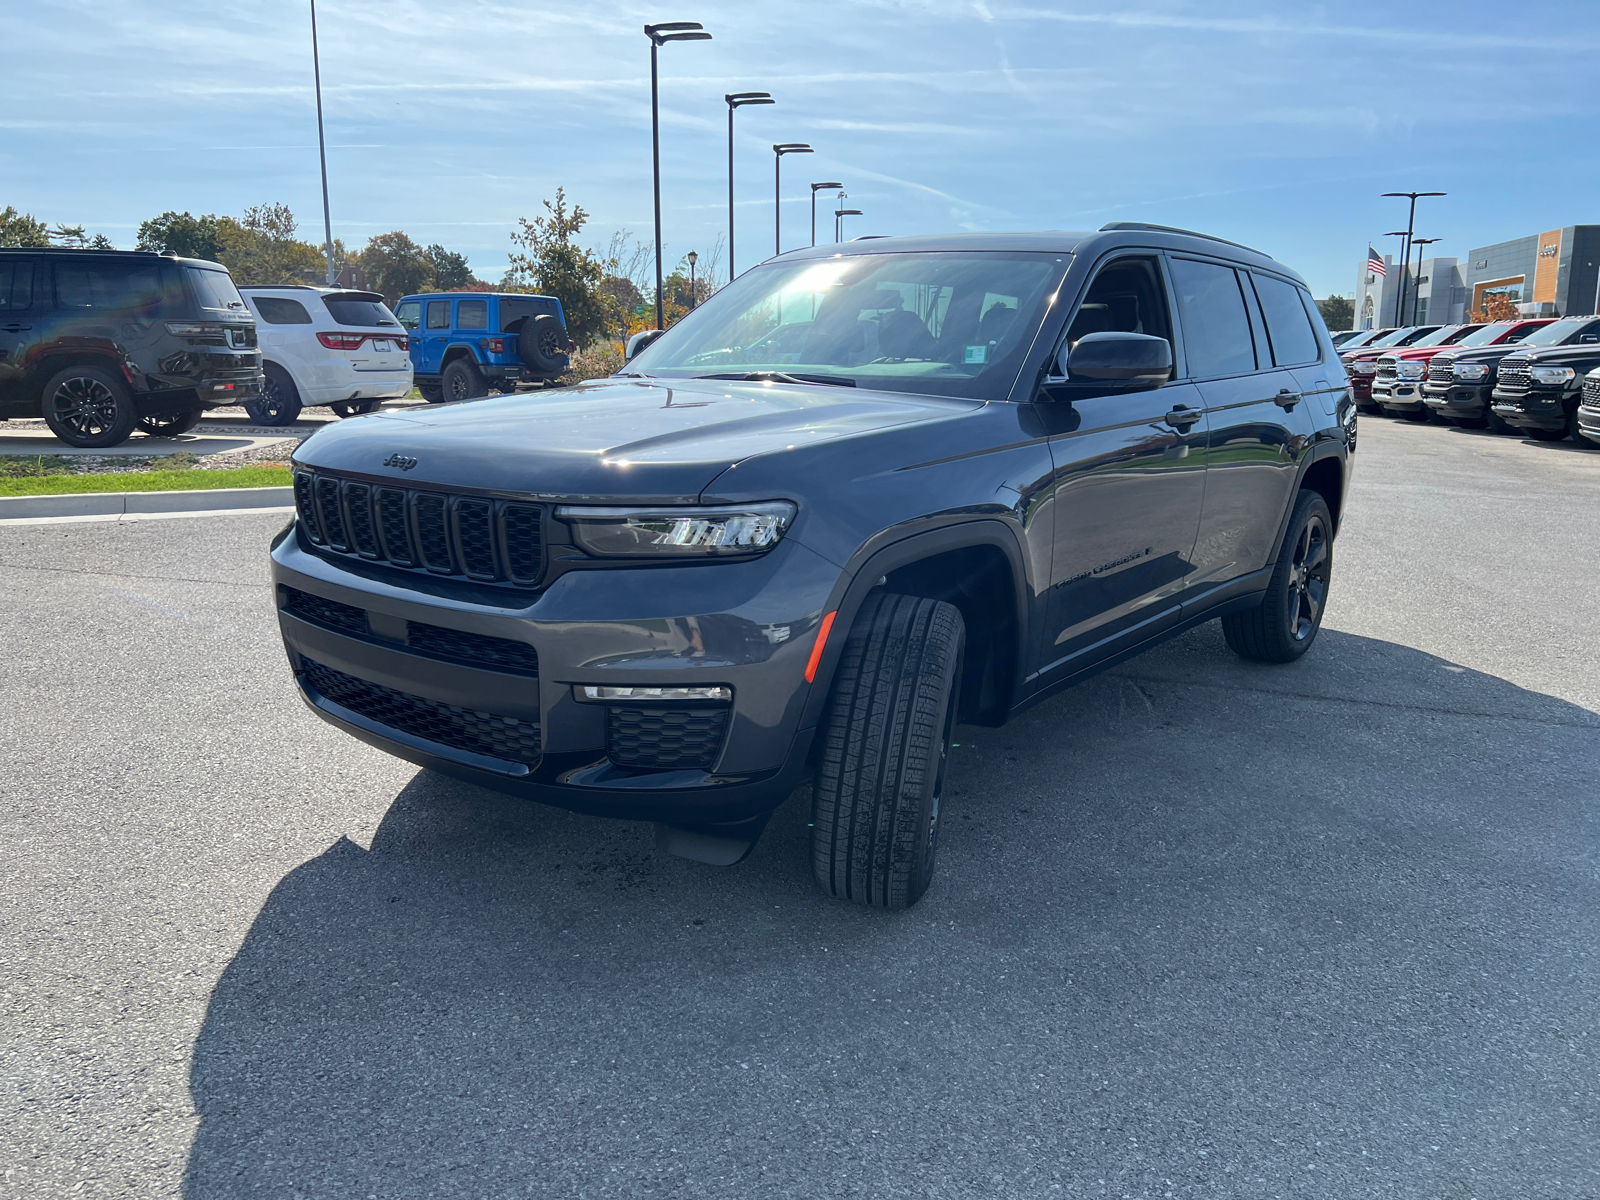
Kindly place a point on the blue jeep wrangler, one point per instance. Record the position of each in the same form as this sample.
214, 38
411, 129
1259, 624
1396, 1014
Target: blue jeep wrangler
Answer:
464, 343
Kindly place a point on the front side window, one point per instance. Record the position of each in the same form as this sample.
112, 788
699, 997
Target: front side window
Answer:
126, 288
1489, 335
1289, 328
409, 314
944, 323
438, 314
16, 286
275, 310
1216, 327
472, 314
215, 291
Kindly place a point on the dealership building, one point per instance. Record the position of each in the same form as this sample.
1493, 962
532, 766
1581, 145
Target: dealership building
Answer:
1545, 274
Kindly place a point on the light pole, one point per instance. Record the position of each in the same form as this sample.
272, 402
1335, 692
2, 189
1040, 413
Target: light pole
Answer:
322, 149
660, 35
1400, 274
1416, 300
815, 188
839, 214
1405, 254
693, 258
778, 151
738, 100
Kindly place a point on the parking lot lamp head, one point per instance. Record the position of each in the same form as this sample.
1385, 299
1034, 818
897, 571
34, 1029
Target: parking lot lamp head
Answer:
778, 151
660, 34
839, 214
1405, 248
815, 188
738, 100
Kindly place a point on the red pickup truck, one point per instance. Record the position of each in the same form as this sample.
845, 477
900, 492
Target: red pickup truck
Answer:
1397, 387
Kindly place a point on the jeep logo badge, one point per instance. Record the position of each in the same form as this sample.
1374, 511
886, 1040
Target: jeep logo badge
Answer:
404, 461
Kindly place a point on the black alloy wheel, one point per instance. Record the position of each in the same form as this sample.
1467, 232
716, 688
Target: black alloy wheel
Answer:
279, 402
463, 381
1282, 627
170, 424
432, 393
88, 407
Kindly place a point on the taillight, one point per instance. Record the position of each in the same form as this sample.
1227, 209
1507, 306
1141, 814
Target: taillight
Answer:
497, 345
342, 341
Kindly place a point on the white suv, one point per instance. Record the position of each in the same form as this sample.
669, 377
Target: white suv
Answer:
326, 346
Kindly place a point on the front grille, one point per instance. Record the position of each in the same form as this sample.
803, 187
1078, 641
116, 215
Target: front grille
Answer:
1591, 392
490, 541
473, 649
679, 738
1441, 370
344, 617
508, 738
1513, 374
1388, 369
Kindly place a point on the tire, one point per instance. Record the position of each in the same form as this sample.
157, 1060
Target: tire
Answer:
431, 392
542, 343
1495, 423
1546, 435
1282, 627
170, 424
88, 407
462, 381
1419, 416
354, 408
885, 738
279, 403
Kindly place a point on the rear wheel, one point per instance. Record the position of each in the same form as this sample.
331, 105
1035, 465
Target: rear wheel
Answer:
88, 407
170, 424
463, 381
354, 408
885, 741
1282, 627
1495, 423
1546, 435
279, 402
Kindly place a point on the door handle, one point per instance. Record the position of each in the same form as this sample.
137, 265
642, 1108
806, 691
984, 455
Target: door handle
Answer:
1286, 400
1181, 417
16, 328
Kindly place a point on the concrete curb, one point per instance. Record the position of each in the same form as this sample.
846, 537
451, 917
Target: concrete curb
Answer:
87, 504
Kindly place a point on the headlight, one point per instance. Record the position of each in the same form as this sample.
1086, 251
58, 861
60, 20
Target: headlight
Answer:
1411, 370
1471, 372
1550, 375
670, 532
1364, 368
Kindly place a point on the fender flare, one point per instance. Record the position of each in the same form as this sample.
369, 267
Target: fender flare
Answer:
457, 350
1324, 449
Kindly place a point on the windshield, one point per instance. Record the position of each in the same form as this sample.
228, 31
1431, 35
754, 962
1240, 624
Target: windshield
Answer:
1484, 336
1361, 339
1397, 338
1557, 331
214, 289
1450, 335
950, 324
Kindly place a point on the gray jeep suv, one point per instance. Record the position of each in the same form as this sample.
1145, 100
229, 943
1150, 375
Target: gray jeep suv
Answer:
864, 492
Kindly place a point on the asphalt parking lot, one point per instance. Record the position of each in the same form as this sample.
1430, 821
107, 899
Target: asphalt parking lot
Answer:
1201, 928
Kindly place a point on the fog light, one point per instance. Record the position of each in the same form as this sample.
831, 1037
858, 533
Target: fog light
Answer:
588, 692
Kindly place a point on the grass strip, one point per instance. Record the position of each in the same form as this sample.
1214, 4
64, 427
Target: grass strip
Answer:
146, 481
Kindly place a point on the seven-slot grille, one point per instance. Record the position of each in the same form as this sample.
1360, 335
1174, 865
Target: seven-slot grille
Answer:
1441, 369
491, 541
1513, 374
1388, 368
509, 738
1591, 391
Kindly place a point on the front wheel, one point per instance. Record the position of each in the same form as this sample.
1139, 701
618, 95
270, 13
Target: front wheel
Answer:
886, 736
1546, 435
354, 408
89, 408
170, 424
1282, 627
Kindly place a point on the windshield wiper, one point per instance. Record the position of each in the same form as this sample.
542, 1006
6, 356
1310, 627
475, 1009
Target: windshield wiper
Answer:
783, 377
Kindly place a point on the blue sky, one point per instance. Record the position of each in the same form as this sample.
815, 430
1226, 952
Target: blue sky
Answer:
1274, 124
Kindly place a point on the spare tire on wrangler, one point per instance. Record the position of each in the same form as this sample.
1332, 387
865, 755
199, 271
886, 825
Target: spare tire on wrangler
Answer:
542, 343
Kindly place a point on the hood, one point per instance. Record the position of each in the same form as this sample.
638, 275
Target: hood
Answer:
1484, 353
1580, 354
628, 440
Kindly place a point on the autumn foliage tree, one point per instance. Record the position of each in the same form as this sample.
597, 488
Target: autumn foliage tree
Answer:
548, 260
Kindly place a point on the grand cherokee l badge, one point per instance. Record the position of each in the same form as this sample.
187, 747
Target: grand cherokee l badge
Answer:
404, 461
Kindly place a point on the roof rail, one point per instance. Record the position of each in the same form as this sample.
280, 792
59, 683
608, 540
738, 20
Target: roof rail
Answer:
1146, 227
867, 237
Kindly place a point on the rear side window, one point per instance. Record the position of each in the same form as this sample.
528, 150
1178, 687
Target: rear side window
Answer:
409, 314
359, 310
275, 310
16, 286
215, 290
514, 309
1294, 341
1216, 327
472, 314
438, 314
128, 288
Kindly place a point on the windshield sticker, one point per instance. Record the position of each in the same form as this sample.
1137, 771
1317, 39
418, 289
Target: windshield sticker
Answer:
977, 354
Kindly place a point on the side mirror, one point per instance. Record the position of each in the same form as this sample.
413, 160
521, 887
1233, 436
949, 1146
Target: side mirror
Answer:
640, 341
1122, 361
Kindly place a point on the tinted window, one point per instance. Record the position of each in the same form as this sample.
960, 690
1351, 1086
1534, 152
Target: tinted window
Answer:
215, 290
275, 310
16, 285
514, 310
1294, 341
472, 314
359, 309
409, 314
123, 287
438, 314
1216, 329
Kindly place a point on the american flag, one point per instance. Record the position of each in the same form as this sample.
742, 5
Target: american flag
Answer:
1375, 263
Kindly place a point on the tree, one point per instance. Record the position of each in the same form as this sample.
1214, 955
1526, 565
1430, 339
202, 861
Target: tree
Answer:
189, 236
262, 248
550, 260
1337, 312
101, 242
1497, 306
396, 266
21, 229
450, 270
70, 235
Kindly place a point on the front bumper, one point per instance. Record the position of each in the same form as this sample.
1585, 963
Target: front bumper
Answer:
1466, 400
1361, 387
1403, 394
1589, 423
1535, 408
686, 626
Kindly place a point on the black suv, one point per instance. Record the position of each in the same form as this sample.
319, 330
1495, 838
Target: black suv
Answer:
862, 493
100, 342
1539, 385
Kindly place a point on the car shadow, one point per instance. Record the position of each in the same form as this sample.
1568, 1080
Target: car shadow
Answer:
1197, 924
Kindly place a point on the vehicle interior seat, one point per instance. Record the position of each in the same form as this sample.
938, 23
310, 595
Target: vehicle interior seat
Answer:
903, 334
